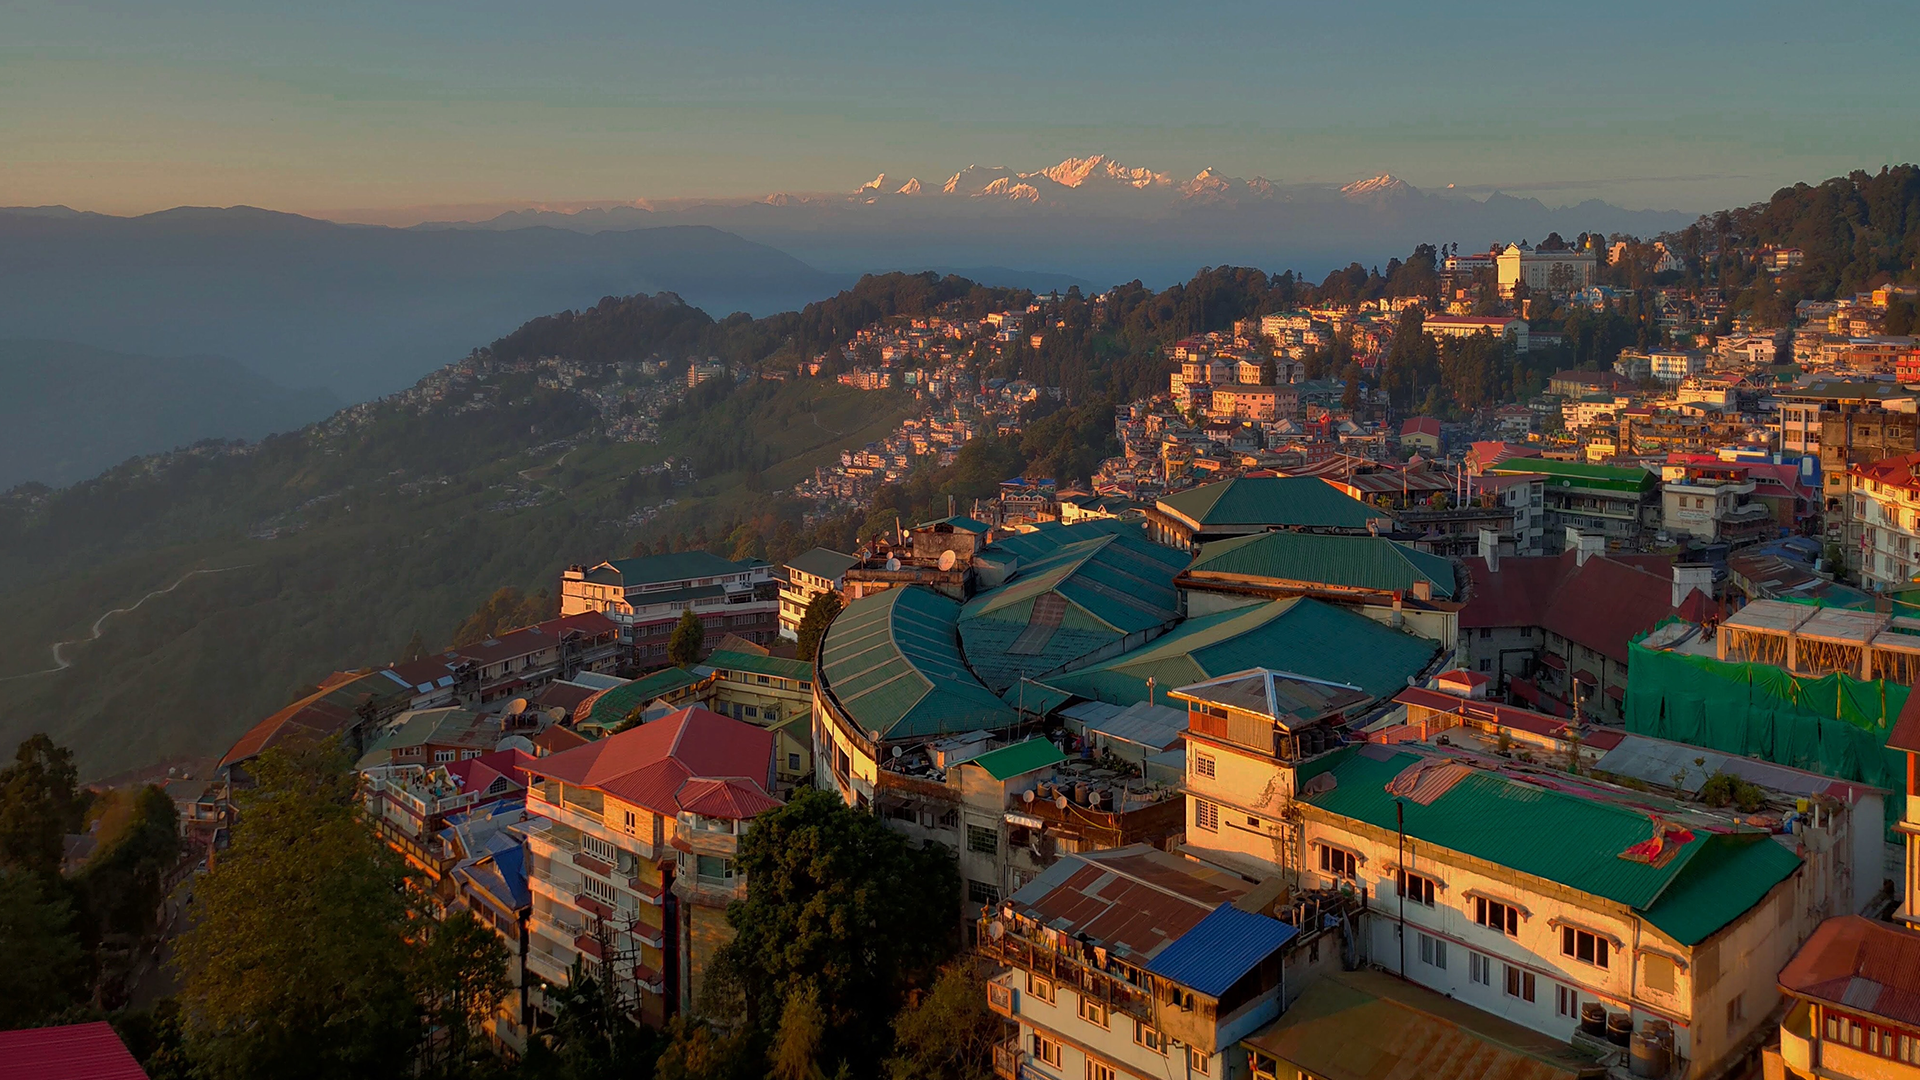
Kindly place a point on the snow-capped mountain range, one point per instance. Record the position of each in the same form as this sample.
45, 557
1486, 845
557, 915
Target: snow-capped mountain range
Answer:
1104, 220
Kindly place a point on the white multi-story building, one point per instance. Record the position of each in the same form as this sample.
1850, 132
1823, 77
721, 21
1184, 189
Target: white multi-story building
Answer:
810, 575
1673, 365
1886, 505
1542, 900
646, 596
1558, 272
619, 827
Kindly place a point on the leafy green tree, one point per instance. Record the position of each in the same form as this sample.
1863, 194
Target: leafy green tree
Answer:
796, 1043
41, 962
685, 647
507, 609
39, 806
297, 965
461, 977
839, 903
950, 1033
821, 611
699, 1051
121, 885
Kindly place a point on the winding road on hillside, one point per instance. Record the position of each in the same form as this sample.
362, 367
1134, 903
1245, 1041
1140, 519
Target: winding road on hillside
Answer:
60, 661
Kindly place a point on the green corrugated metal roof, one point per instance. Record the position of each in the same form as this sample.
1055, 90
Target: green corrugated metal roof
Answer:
614, 705
1564, 838
1567, 473
1011, 761
1364, 562
822, 562
1300, 636
893, 662
677, 566
761, 665
1034, 698
958, 521
1301, 501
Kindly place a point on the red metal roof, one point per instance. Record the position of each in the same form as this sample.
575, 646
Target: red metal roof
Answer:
1421, 425
735, 799
1861, 965
653, 764
1601, 605
327, 711
1906, 730
74, 1052
478, 774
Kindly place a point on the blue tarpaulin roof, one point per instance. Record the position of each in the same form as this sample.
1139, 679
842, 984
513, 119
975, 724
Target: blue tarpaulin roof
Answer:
1220, 949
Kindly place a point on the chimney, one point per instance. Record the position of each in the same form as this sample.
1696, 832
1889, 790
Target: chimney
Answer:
1585, 547
1490, 549
1686, 579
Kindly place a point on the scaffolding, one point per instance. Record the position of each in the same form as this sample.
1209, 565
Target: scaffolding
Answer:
1815, 641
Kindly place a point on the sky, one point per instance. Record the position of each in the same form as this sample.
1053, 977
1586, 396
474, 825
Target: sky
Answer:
397, 111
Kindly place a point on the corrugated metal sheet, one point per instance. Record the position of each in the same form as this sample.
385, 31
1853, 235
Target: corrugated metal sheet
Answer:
1361, 562
1220, 949
893, 662
1365, 1025
1271, 500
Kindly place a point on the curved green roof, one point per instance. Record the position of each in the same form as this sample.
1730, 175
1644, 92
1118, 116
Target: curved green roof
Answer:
1580, 474
1069, 602
892, 661
1357, 562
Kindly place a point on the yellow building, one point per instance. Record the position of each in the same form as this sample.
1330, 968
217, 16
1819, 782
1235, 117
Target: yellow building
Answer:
1855, 1013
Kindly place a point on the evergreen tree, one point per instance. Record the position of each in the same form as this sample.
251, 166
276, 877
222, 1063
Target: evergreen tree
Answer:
461, 977
39, 806
950, 1033
41, 963
687, 645
821, 611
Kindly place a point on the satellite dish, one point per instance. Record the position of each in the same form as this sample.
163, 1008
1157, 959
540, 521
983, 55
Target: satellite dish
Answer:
516, 742
893, 563
896, 753
1060, 801
516, 706
996, 931
947, 559
1027, 796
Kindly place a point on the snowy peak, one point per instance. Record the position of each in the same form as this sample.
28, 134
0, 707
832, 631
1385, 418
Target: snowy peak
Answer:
974, 179
1007, 188
873, 186
1074, 172
911, 187
1386, 185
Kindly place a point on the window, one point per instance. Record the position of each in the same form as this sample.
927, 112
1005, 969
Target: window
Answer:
1433, 952
712, 870
1206, 816
1485, 633
441, 756
980, 892
1097, 1071
1737, 1011
1495, 915
1480, 968
1519, 983
1416, 888
950, 819
1040, 988
1145, 1035
1659, 972
793, 762
1566, 1002
1198, 1063
598, 889
1203, 765
1584, 946
1337, 863
597, 848
1092, 1011
983, 839
1046, 1050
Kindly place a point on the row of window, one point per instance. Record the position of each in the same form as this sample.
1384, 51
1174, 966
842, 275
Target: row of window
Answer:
1874, 1039
1051, 1052
1582, 945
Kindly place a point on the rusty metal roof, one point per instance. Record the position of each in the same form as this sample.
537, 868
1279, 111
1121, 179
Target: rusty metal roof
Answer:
1133, 901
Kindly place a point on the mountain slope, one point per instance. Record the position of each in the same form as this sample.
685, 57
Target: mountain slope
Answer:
77, 410
362, 311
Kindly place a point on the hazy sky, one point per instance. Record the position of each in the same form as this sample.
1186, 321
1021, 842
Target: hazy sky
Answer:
134, 105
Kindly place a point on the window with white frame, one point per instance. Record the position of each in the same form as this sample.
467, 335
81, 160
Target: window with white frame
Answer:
1520, 983
1417, 887
1495, 915
1433, 951
1199, 1063
1098, 1071
1203, 765
1338, 863
1566, 1002
1206, 816
1480, 968
1093, 1012
1039, 988
1047, 1050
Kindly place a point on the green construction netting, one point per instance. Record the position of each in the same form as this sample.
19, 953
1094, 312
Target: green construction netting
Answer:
1836, 726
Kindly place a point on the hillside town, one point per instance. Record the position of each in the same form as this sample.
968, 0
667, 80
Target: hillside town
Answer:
1566, 736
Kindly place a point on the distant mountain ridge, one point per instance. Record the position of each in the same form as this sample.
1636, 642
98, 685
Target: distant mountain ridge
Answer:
1108, 221
362, 310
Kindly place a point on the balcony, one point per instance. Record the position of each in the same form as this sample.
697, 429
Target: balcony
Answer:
1006, 1059
1043, 960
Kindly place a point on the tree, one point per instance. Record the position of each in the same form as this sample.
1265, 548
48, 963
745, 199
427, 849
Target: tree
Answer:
591, 1037
415, 648
507, 609
821, 611
460, 978
950, 1033
139, 844
839, 903
41, 963
685, 647
796, 1044
297, 965
39, 806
